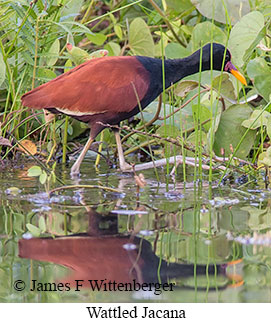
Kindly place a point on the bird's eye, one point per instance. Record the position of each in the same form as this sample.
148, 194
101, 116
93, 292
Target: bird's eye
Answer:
228, 57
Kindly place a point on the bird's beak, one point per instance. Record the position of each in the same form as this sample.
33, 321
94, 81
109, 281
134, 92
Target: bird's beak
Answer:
233, 70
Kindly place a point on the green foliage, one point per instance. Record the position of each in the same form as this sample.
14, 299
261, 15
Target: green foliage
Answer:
35, 231
36, 40
227, 11
36, 171
260, 73
257, 119
185, 87
2, 69
243, 35
179, 5
203, 32
224, 86
230, 131
77, 55
13, 191
53, 53
140, 38
175, 50
265, 158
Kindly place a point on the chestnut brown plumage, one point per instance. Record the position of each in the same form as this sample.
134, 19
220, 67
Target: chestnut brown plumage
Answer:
108, 90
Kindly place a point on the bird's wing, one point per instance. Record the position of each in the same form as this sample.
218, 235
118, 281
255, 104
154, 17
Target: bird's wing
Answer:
96, 86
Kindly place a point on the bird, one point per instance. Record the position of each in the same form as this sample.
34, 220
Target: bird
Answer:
104, 91
103, 253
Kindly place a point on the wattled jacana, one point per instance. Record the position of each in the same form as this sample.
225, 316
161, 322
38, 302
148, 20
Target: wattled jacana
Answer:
108, 90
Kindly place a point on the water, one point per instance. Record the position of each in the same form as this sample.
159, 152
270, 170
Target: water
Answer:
186, 244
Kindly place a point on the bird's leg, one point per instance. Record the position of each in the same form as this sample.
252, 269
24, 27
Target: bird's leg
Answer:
123, 165
76, 166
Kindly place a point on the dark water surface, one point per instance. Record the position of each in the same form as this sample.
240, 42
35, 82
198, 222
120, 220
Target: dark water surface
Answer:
208, 244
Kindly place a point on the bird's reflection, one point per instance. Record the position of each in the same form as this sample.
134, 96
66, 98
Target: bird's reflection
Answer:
102, 253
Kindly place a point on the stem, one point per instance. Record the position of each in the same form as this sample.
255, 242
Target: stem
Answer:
142, 145
87, 12
161, 13
98, 158
36, 53
182, 106
149, 123
65, 140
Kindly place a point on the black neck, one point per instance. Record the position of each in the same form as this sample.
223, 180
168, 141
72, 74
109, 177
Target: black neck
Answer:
176, 69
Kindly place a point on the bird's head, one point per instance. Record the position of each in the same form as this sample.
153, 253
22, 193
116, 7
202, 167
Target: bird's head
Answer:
218, 51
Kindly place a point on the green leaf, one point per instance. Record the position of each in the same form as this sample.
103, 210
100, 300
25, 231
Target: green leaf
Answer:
260, 73
253, 210
216, 107
45, 74
78, 128
77, 55
113, 19
68, 65
98, 53
216, 9
185, 87
259, 219
192, 139
175, 50
97, 39
257, 67
34, 171
70, 130
35, 231
204, 32
13, 190
268, 127
253, 45
42, 224
263, 85
257, 119
118, 31
203, 115
169, 131
71, 9
109, 137
140, 39
53, 53
2, 69
149, 112
224, 84
230, 131
27, 57
265, 158
113, 48
243, 35
43, 177
179, 5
